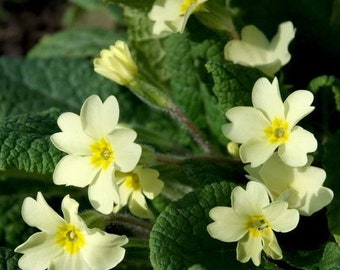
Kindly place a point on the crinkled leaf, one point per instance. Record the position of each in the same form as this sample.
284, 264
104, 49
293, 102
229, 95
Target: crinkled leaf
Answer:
331, 257
233, 83
34, 85
179, 238
331, 163
76, 42
8, 259
25, 142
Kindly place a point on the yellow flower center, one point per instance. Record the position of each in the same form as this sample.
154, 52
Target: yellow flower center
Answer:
102, 154
277, 132
257, 225
132, 181
186, 5
70, 238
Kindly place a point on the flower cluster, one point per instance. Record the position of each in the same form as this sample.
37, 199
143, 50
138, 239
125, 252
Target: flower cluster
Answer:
286, 176
104, 157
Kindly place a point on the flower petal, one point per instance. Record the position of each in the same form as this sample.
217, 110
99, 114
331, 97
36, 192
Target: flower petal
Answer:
249, 202
276, 175
151, 185
266, 98
37, 213
138, 206
38, 250
297, 106
69, 261
74, 170
249, 247
126, 153
69, 122
77, 143
271, 246
99, 119
246, 123
69, 208
294, 151
103, 192
281, 40
227, 226
316, 201
103, 250
280, 218
256, 151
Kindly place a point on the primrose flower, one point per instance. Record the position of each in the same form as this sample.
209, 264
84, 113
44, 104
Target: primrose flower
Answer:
173, 15
301, 187
135, 186
66, 243
251, 220
95, 148
255, 50
271, 124
117, 64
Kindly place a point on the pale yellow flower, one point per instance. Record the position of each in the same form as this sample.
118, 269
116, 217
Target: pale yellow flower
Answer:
250, 221
137, 185
255, 50
95, 149
117, 64
271, 124
66, 243
172, 15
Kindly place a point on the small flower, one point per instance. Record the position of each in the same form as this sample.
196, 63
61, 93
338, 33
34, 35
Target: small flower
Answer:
300, 187
255, 50
135, 186
117, 64
251, 220
66, 243
96, 147
173, 16
271, 124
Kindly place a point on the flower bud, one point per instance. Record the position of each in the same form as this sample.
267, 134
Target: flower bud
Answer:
117, 64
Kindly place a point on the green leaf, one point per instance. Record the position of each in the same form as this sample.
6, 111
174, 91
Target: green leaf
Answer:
35, 85
8, 259
75, 42
144, 5
179, 238
25, 142
233, 83
331, 257
331, 163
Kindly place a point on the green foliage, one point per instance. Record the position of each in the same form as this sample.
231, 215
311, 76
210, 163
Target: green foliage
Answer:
8, 259
25, 142
179, 238
331, 164
75, 42
232, 83
143, 5
331, 257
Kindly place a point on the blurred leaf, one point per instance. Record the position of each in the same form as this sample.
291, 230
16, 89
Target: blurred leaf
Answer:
75, 42
331, 257
143, 5
331, 163
8, 259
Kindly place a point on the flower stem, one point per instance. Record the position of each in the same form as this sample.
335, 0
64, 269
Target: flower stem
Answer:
194, 131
